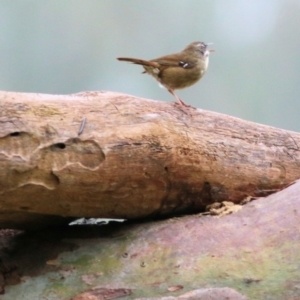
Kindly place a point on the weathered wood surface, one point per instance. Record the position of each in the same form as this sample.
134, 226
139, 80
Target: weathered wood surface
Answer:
135, 158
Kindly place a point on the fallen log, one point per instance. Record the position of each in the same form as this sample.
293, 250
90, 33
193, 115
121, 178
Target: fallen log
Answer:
103, 154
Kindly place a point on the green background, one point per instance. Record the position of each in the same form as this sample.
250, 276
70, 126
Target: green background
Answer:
68, 46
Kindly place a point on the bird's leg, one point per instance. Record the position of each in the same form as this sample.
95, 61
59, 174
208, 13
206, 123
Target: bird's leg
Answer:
178, 99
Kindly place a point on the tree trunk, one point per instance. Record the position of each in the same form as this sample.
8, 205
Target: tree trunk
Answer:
134, 158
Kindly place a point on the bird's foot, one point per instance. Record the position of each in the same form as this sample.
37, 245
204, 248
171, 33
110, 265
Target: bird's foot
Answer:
185, 108
183, 104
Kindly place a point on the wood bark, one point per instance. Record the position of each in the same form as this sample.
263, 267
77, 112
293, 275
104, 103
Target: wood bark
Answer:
135, 158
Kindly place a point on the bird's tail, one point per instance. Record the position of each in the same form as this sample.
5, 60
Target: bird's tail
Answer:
139, 61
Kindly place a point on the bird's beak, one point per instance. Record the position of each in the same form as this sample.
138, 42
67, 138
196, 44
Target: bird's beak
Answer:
208, 44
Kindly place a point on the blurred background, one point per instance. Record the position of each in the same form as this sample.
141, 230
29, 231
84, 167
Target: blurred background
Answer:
62, 47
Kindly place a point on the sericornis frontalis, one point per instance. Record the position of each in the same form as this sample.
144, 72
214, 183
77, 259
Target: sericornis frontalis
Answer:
179, 70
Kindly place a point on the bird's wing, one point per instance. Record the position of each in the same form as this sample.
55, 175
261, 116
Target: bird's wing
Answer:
174, 61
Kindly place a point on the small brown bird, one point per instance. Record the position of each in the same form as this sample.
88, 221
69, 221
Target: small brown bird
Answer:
179, 70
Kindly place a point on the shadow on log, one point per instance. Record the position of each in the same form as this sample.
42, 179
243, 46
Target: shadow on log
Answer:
135, 158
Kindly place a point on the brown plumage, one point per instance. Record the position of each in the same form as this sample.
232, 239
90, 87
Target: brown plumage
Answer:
179, 70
